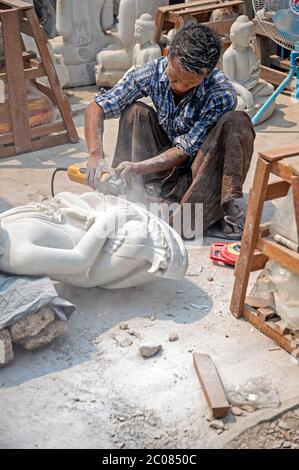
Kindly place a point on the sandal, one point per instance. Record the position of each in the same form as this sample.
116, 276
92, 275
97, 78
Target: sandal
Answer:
216, 230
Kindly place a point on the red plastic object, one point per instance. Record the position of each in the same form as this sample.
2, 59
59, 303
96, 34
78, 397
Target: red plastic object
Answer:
227, 253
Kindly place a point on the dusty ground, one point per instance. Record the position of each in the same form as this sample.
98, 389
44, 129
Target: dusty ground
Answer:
280, 433
86, 391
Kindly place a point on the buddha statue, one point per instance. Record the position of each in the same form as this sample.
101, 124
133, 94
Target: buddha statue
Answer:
82, 27
114, 60
90, 240
145, 48
243, 68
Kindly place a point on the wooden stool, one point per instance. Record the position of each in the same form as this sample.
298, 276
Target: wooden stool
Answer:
256, 249
19, 65
177, 15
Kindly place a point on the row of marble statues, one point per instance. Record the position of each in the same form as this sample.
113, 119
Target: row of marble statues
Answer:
89, 48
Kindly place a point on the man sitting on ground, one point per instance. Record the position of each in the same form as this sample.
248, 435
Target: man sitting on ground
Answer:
193, 145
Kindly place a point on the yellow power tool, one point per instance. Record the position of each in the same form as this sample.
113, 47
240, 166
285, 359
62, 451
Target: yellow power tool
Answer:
109, 183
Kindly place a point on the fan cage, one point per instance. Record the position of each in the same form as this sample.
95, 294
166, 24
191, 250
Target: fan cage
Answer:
264, 11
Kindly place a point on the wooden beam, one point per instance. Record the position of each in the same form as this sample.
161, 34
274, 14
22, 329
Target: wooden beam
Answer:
279, 153
279, 253
276, 77
16, 80
16, 4
211, 385
250, 314
277, 190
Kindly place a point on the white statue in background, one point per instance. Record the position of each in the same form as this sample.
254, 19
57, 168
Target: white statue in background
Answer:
243, 68
73, 239
117, 58
81, 25
145, 48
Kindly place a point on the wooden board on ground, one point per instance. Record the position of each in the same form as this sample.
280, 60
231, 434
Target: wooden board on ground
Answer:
211, 385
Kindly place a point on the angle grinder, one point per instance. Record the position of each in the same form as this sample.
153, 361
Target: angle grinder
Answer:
109, 182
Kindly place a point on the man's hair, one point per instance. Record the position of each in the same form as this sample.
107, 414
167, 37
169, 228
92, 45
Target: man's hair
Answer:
196, 48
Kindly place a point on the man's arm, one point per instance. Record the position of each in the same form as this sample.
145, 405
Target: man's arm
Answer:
111, 104
93, 131
165, 161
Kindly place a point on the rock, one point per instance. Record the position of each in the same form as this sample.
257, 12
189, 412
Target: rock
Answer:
32, 325
210, 278
286, 444
6, 351
46, 336
147, 350
124, 343
277, 444
283, 425
152, 317
248, 408
173, 336
123, 326
217, 424
236, 411
219, 431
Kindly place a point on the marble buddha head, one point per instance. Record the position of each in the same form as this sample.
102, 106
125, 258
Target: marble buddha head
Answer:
241, 32
145, 29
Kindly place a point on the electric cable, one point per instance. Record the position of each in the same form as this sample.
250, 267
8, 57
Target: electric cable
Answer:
53, 178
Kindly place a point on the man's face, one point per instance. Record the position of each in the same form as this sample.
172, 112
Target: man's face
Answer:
181, 81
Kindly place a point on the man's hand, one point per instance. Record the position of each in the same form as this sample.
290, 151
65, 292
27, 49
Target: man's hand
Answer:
127, 169
95, 167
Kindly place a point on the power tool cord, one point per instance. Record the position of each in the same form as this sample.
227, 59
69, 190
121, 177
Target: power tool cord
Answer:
53, 178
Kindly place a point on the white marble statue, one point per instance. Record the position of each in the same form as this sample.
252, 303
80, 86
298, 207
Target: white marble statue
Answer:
145, 48
81, 25
73, 239
243, 68
117, 58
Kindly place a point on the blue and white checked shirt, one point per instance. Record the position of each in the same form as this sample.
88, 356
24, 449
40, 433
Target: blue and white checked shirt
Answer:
186, 123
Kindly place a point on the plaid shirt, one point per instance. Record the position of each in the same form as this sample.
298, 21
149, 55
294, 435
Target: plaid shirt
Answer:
186, 123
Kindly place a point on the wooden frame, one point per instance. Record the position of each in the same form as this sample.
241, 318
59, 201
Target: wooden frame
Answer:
20, 65
178, 15
256, 249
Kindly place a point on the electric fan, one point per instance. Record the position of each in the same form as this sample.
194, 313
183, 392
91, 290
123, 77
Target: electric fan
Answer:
280, 21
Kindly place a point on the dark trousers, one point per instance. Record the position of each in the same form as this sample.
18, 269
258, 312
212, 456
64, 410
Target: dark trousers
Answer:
218, 171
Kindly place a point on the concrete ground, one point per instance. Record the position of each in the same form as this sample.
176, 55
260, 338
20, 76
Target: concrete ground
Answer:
86, 391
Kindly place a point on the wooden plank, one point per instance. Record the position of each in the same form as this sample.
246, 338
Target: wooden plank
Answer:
250, 236
277, 190
27, 56
30, 74
264, 229
46, 142
279, 253
251, 316
265, 313
62, 102
206, 6
259, 261
211, 385
281, 327
16, 80
276, 77
273, 155
47, 129
7, 138
51, 141
180, 6
16, 4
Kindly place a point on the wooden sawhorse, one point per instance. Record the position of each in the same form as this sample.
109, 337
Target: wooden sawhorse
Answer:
257, 247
